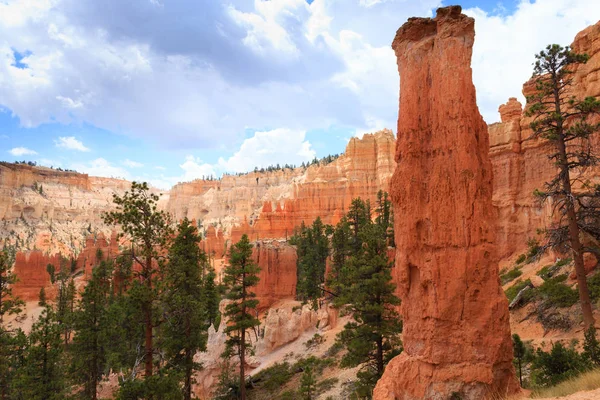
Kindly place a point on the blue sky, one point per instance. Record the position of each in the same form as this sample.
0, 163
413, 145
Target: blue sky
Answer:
169, 91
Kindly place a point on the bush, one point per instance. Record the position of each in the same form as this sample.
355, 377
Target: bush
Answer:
512, 291
510, 275
521, 259
533, 249
273, 378
315, 341
557, 294
594, 286
561, 363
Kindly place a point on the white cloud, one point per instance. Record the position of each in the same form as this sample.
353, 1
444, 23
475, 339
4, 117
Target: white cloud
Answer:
136, 68
194, 168
22, 151
101, 167
132, 164
278, 146
505, 45
70, 143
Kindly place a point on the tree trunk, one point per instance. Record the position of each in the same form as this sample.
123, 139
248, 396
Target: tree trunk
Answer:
243, 339
242, 362
187, 390
380, 366
577, 248
148, 316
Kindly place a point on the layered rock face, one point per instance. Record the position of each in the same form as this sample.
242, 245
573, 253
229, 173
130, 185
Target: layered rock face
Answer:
53, 211
272, 204
277, 262
456, 324
521, 165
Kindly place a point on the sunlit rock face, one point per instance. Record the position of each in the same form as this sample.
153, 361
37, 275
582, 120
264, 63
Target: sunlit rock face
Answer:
456, 324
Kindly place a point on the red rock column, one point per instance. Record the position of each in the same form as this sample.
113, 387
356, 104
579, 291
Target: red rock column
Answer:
456, 322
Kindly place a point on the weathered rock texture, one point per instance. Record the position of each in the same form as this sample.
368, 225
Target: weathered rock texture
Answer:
271, 204
521, 165
456, 324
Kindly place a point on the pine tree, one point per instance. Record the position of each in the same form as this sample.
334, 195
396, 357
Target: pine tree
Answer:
148, 229
341, 249
519, 354
308, 384
365, 288
211, 298
65, 303
564, 122
240, 276
591, 346
11, 339
91, 340
42, 374
312, 248
184, 331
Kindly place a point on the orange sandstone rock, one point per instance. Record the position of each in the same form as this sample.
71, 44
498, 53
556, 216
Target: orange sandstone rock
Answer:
456, 322
277, 262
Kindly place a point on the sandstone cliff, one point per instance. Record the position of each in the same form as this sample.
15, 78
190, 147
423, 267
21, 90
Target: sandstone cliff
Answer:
456, 322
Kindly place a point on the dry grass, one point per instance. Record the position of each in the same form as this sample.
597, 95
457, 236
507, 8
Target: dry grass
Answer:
587, 381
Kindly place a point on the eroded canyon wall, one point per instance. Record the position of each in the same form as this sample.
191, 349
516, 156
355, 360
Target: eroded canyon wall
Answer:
456, 324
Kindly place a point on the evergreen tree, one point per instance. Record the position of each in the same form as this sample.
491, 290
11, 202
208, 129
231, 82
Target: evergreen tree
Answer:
312, 248
147, 229
184, 331
564, 121
211, 298
365, 288
240, 276
591, 346
65, 303
308, 384
341, 249
11, 339
91, 340
519, 354
42, 374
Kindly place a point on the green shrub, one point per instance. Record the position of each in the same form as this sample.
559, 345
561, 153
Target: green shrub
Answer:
594, 286
564, 261
557, 365
533, 249
273, 378
521, 259
335, 348
315, 341
556, 293
326, 385
510, 275
317, 364
512, 291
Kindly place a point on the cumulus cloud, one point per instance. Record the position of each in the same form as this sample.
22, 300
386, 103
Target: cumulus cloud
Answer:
505, 45
194, 168
202, 71
70, 143
278, 146
101, 167
132, 164
22, 151
199, 73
